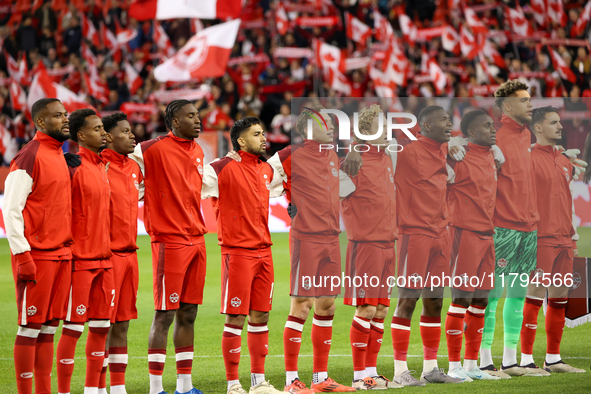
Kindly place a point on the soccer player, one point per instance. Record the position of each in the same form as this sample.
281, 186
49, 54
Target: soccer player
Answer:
515, 220
369, 213
241, 190
424, 244
553, 173
93, 289
37, 214
471, 198
172, 166
315, 251
125, 178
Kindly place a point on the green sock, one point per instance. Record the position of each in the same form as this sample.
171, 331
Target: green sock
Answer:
490, 320
512, 319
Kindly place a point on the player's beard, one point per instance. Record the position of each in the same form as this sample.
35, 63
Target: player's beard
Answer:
58, 135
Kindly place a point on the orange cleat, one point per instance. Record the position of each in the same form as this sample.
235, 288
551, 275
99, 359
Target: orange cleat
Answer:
297, 386
330, 386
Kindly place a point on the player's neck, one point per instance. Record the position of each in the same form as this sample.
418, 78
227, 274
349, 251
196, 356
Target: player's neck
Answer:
519, 122
545, 142
94, 150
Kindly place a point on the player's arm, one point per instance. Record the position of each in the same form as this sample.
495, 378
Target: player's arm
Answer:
18, 186
209, 187
575, 237
276, 188
346, 185
393, 154
275, 162
138, 157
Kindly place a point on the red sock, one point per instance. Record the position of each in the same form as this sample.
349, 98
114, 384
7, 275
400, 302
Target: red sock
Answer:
95, 351
292, 341
530, 324
66, 349
400, 337
454, 327
359, 336
103, 375
24, 356
231, 343
555, 324
474, 326
156, 359
184, 359
321, 340
431, 336
44, 357
117, 364
374, 343
258, 346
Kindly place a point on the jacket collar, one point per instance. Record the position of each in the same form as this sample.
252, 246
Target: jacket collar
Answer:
180, 140
90, 155
110, 155
48, 141
249, 158
513, 125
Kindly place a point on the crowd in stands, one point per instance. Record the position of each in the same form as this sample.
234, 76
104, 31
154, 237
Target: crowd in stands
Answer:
54, 34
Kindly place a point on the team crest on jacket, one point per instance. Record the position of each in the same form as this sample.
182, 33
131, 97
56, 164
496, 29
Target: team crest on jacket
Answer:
235, 302
576, 280
268, 185
502, 263
335, 172
200, 169
391, 178
137, 185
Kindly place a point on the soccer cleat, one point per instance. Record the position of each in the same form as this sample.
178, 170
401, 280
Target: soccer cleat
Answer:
460, 373
193, 391
562, 367
330, 386
264, 388
491, 370
367, 384
436, 375
297, 386
163, 392
406, 379
477, 374
513, 370
533, 370
382, 381
236, 389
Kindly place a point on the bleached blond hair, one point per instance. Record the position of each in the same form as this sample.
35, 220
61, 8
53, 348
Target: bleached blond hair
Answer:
366, 116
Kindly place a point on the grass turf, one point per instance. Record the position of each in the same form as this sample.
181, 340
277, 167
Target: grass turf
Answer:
208, 366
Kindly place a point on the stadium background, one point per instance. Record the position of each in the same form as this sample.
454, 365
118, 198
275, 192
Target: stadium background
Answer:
265, 71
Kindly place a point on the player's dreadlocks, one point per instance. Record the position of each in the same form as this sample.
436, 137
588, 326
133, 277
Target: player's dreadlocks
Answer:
171, 110
507, 89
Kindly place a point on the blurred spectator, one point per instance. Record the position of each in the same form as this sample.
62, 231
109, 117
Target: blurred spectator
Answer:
26, 36
73, 36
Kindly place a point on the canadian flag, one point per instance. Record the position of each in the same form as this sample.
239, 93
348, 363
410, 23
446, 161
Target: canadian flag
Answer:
560, 66
485, 67
110, 42
396, 64
18, 71
468, 44
409, 30
331, 61
124, 35
519, 24
357, 30
539, 10
450, 40
477, 26
95, 88
18, 96
172, 9
281, 19
89, 31
584, 18
490, 52
340, 83
205, 55
43, 87
162, 41
89, 57
383, 28
438, 77
383, 86
556, 12
134, 81
8, 145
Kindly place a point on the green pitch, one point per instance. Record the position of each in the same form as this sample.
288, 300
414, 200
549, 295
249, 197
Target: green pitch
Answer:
208, 365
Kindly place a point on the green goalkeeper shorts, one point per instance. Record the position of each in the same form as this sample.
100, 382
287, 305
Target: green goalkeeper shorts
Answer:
515, 251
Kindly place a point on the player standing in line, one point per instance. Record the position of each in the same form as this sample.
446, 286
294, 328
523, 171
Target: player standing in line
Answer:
369, 213
472, 192
241, 191
315, 250
37, 214
93, 289
553, 173
515, 220
125, 178
424, 245
172, 166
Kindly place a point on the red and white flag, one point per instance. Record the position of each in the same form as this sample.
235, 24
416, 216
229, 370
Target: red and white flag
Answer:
331, 61
468, 44
485, 67
477, 26
18, 96
162, 41
134, 81
357, 30
409, 30
397, 64
96, 89
205, 55
172, 9
539, 10
383, 28
124, 35
110, 42
490, 52
450, 40
560, 66
89, 32
8, 145
89, 57
383, 86
519, 24
281, 19
556, 12
438, 77
581, 24
18, 71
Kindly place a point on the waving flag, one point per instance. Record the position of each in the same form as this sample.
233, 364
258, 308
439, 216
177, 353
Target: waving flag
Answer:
477, 26
581, 24
519, 24
539, 10
383, 28
556, 12
560, 66
409, 30
171, 9
450, 40
468, 43
134, 81
89, 32
162, 41
18, 96
18, 71
281, 19
357, 30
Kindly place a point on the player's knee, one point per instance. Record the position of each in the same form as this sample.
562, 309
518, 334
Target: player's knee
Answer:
186, 315
163, 319
366, 311
236, 320
465, 302
301, 307
324, 306
381, 312
483, 302
405, 307
432, 306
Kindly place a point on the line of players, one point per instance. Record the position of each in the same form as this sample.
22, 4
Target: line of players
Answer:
175, 179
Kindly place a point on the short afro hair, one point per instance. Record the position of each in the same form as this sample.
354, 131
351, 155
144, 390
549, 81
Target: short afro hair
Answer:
539, 114
424, 114
306, 114
110, 121
78, 120
240, 126
40, 105
171, 110
366, 116
468, 118
507, 89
